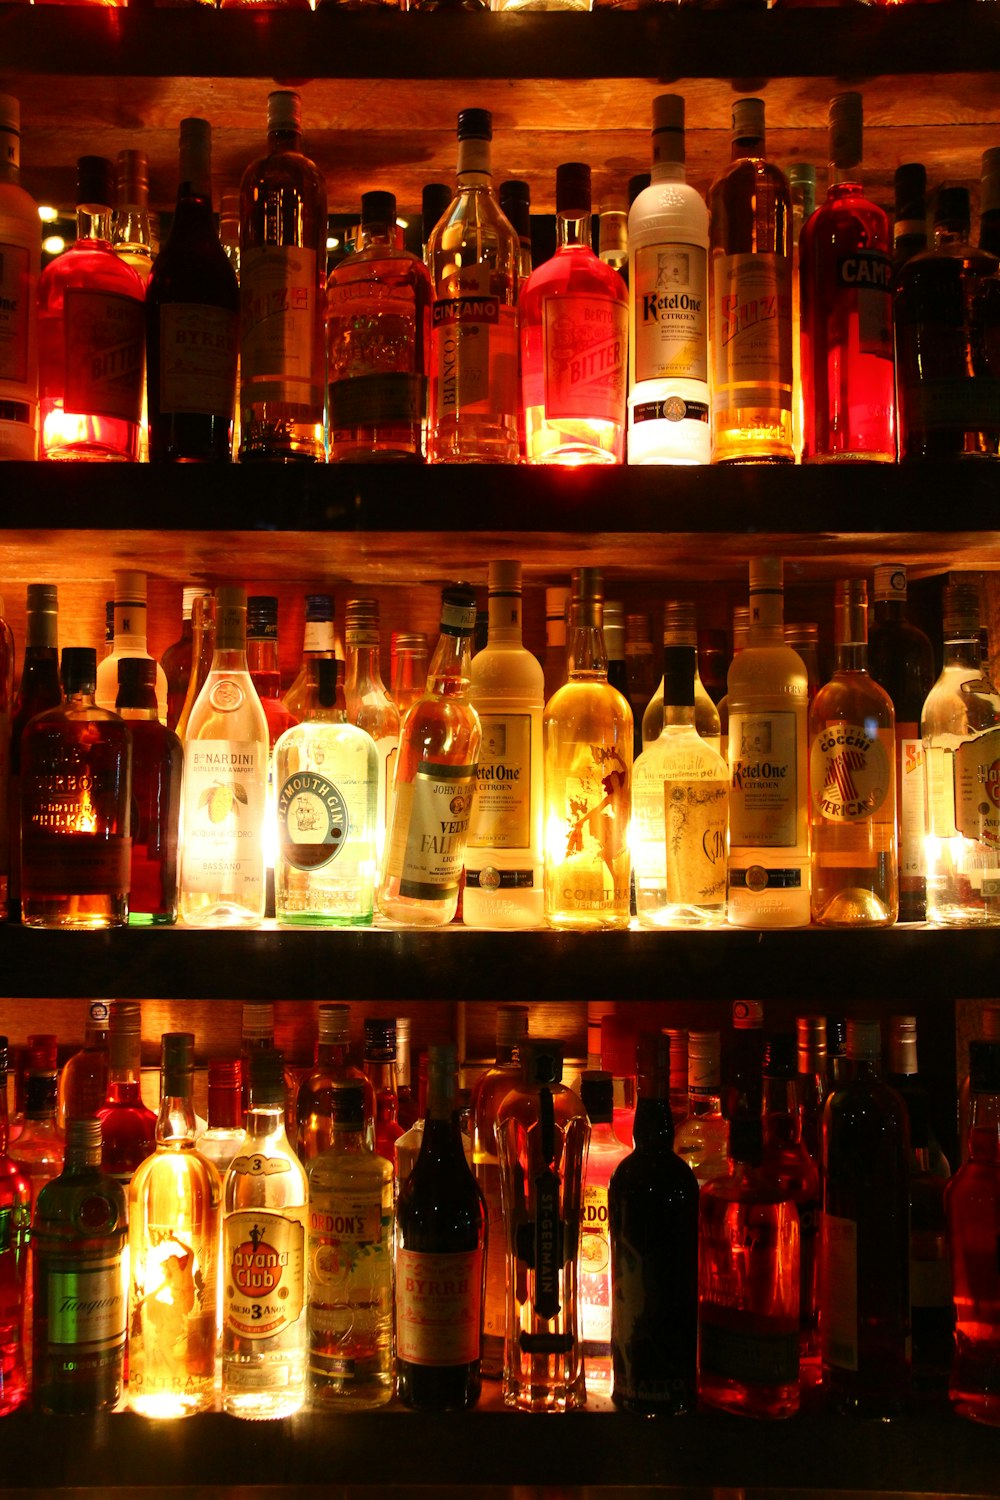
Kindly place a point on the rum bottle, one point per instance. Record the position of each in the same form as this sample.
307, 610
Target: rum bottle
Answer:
128, 1128
157, 769
15, 1218
972, 1205
369, 704
129, 640
19, 260
604, 1152
332, 1067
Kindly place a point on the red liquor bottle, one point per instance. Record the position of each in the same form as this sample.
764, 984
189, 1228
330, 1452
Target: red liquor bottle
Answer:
157, 768
128, 1128
15, 1215
972, 1205
176, 660
38, 690
786, 1157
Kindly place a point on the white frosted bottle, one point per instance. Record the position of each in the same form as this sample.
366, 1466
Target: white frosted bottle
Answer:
129, 640
668, 402
503, 857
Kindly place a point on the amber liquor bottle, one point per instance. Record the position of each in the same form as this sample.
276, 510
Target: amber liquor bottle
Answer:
157, 767
38, 690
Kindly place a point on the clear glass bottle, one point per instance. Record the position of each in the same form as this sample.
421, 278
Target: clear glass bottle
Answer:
768, 767
473, 255
134, 237
333, 1066
202, 655
554, 662
379, 1060
265, 1332
20, 260
350, 1245
703, 1139
38, 1151
128, 1128
640, 672
588, 778
802, 184
222, 1139
787, 1159
680, 794
573, 322
707, 718
15, 1214
130, 613
604, 1153
542, 1134
503, 859
176, 660
157, 770
83, 1079
318, 641
960, 728
174, 1200
435, 779
264, 666
852, 780
368, 703
972, 1205
668, 401
225, 784
408, 675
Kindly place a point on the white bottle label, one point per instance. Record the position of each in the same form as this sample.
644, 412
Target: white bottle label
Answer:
265, 1271
313, 820
752, 328
473, 347
16, 306
278, 291
670, 292
849, 772
763, 793
697, 816
224, 789
198, 349
429, 827
502, 812
912, 813
595, 1265
104, 344
586, 358
438, 1301
977, 789
839, 1295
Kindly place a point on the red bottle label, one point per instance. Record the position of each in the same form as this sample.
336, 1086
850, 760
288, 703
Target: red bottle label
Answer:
438, 1307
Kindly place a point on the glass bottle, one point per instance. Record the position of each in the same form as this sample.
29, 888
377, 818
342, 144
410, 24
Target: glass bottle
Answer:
514, 196
192, 322
668, 402
653, 1219
20, 262
173, 1254
333, 1066
15, 1218
473, 256
202, 655
503, 859
604, 1153
852, 780
988, 1030
128, 1128
573, 321
901, 660
256, 1035
741, 634
435, 198
378, 344
909, 225
225, 784
960, 728
680, 793
768, 767
989, 201
264, 666
640, 673
350, 1243
588, 778
813, 1084
612, 233
133, 236
439, 741
542, 1134
224, 1135
83, 1080
614, 640
802, 183
677, 1039
368, 703
38, 1151
618, 1056
157, 767
554, 662
75, 783
440, 1258
379, 1061
750, 251
407, 1110
265, 1333
787, 1159
317, 642
7, 702
40, 1054
283, 230
130, 614
90, 336
79, 1286
409, 669
37, 691
703, 1139
972, 1205
176, 660
864, 1296
707, 720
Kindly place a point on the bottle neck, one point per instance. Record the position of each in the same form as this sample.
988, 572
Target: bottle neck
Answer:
767, 617
588, 654
348, 1137
505, 618
377, 235
573, 230
130, 626
93, 223
225, 1107
474, 164
781, 1112
262, 656
176, 1124
264, 1120
284, 138
450, 671
962, 651
40, 1096
748, 146
653, 1124
363, 667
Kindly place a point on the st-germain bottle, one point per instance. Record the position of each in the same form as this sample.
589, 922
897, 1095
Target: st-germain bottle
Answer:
130, 615
15, 1216
19, 268
157, 768
972, 1204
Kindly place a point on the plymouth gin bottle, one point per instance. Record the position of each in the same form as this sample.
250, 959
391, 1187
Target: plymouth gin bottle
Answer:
768, 767
852, 780
668, 410
225, 784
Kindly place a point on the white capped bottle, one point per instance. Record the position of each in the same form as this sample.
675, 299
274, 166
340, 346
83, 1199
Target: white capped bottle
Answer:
668, 405
19, 268
129, 640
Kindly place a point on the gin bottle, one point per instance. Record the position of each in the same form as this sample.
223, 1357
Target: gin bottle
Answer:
18, 293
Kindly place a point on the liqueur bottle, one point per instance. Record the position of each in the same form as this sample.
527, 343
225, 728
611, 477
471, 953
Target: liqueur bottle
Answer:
473, 256
128, 1128
573, 321
333, 1066
318, 641
265, 1334
542, 1134
680, 794
368, 703
75, 792
283, 231
788, 1161
852, 780
202, 655
380, 1070
640, 673
83, 1080
173, 1254
7, 703
407, 1110
848, 382
604, 1153
178, 658
265, 673
706, 716
225, 784
668, 404
222, 1139
802, 183
588, 778
751, 270
960, 728
19, 260
349, 1246
378, 303
38, 1151
947, 317
79, 1289
15, 1217
702, 1141
440, 1258
909, 225
653, 1219
864, 1298
435, 779
130, 614
192, 322
554, 661
408, 674
157, 769
503, 860
768, 767
90, 336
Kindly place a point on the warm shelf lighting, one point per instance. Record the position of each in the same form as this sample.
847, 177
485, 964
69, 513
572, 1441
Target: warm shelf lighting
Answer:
53, 244
47, 214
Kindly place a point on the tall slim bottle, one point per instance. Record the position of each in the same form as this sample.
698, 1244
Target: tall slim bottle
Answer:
157, 769
368, 703
668, 404
176, 660
15, 1214
554, 662
7, 701
604, 1153
202, 652
83, 1078
318, 641
503, 859
332, 1067
130, 616
787, 1158
972, 1205
128, 1128
19, 270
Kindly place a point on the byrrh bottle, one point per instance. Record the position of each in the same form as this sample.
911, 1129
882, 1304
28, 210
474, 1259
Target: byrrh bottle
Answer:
19, 269
435, 779
845, 270
225, 785
503, 859
668, 405
750, 272
768, 767
130, 614
852, 780
282, 280
588, 777
473, 255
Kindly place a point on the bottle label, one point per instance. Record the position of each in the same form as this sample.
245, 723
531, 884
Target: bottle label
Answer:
265, 1272
673, 409
224, 787
548, 1241
585, 869
850, 772
586, 358
868, 275
86, 1304
648, 1368
104, 346
751, 1357
438, 1301
752, 327
370, 400
16, 307
763, 794
198, 349
430, 821
495, 1312
349, 1256
670, 296
172, 1319
944, 405
839, 1293
912, 813
313, 820
502, 810
473, 347
595, 1264
697, 818
76, 864
278, 291
977, 789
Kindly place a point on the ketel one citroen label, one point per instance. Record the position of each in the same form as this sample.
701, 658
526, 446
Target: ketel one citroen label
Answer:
313, 820
265, 1272
850, 772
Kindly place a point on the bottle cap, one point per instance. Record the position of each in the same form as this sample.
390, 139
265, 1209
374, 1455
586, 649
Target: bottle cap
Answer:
361, 622
864, 1040
132, 180
409, 641
587, 598
618, 1046
195, 150
555, 602
677, 1041
136, 680
98, 1014
984, 1067
95, 178
748, 1015
668, 113
779, 1055
78, 669
319, 607
177, 1062
380, 1039
334, 1025
504, 577
458, 609
475, 124
679, 623
126, 1016
811, 1034
262, 617
225, 1073
284, 111
748, 120
83, 1141
637, 631
846, 130
347, 1102
614, 628
636, 185
953, 209
515, 200
267, 1078
597, 1090
257, 1020
10, 114
850, 611
573, 188
903, 1045
890, 582
766, 576
704, 1061
378, 208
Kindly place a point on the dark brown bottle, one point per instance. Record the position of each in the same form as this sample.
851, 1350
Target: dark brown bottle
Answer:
157, 766
39, 690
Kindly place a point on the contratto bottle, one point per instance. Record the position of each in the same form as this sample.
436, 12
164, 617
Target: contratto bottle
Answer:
972, 1205
157, 769
15, 1209
19, 269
